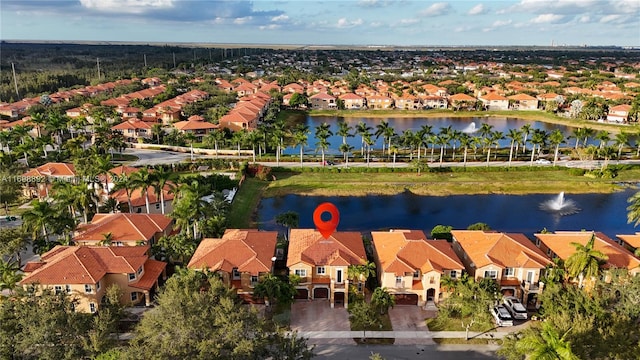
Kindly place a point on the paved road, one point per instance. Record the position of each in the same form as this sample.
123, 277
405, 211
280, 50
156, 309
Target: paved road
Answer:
407, 352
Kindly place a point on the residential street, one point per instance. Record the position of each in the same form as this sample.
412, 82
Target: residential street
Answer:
407, 352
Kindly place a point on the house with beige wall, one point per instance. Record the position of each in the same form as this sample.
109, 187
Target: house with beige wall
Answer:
509, 258
85, 273
124, 229
322, 264
241, 257
410, 266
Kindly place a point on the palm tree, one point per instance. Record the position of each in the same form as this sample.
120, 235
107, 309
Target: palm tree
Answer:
85, 197
425, 132
485, 132
190, 207
603, 137
107, 239
607, 152
496, 136
65, 194
382, 300
161, 179
126, 183
545, 343
253, 139
579, 134
465, 143
621, 140
585, 261
56, 124
514, 135
344, 130
633, 210
39, 120
323, 132
345, 149
156, 129
39, 218
363, 130
142, 180
214, 138
274, 290
556, 138
300, 138
525, 130
190, 138
288, 219
537, 139
9, 275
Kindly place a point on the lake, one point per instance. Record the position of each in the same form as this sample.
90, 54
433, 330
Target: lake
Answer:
503, 124
506, 213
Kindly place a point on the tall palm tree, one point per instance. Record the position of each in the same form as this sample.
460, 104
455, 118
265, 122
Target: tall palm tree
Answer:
489, 141
65, 194
579, 134
526, 131
465, 143
56, 124
190, 207
444, 136
621, 140
382, 300
344, 130
607, 153
345, 149
556, 138
603, 137
537, 139
288, 219
514, 136
425, 132
126, 183
300, 138
86, 197
633, 210
214, 138
485, 132
39, 218
9, 275
585, 261
253, 139
362, 129
588, 132
162, 179
107, 239
142, 180
496, 136
156, 130
323, 132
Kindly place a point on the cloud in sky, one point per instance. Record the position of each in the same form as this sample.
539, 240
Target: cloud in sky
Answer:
437, 9
388, 21
477, 10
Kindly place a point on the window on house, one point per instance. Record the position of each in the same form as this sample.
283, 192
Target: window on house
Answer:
132, 276
432, 280
67, 289
509, 272
492, 274
57, 289
549, 252
254, 280
453, 274
235, 274
320, 270
301, 272
88, 288
92, 307
537, 242
398, 281
118, 243
134, 296
98, 286
157, 206
416, 274
139, 271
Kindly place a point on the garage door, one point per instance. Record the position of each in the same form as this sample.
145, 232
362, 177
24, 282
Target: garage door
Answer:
338, 298
320, 293
302, 294
406, 299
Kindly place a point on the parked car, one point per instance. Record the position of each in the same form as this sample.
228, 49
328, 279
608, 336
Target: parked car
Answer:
502, 316
515, 307
543, 162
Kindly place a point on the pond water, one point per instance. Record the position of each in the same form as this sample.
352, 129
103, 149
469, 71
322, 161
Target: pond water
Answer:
414, 124
506, 213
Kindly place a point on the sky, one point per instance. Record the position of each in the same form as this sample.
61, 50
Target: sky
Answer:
333, 22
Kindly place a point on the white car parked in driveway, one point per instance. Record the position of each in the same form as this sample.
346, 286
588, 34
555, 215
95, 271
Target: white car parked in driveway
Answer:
515, 307
502, 316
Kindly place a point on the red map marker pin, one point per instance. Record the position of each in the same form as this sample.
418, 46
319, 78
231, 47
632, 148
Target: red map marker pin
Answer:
326, 228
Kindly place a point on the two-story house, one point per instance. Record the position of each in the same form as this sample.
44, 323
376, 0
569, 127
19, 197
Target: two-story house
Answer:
240, 257
352, 101
196, 126
559, 244
322, 101
85, 272
494, 101
511, 259
379, 102
619, 113
124, 229
523, 102
134, 129
38, 181
410, 266
322, 263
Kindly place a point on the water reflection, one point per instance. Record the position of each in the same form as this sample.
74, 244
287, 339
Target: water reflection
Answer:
508, 213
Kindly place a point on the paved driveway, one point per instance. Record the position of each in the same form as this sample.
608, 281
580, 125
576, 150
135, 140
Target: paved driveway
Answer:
409, 318
317, 315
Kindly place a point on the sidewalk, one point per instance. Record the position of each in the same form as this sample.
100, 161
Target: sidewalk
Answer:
401, 334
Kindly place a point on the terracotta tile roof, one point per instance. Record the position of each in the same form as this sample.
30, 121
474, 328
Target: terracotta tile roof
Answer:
322, 96
194, 125
341, 248
500, 249
85, 264
138, 199
248, 250
560, 243
152, 271
493, 96
461, 97
521, 97
401, 251
350, 96
125, 227
52, 169
633, 240
132, 124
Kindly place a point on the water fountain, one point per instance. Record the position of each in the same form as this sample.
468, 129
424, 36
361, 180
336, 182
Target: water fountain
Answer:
470, 129
560, 206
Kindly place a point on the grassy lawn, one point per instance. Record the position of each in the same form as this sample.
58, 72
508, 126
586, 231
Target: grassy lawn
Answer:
476, 181
385, 325
245, 203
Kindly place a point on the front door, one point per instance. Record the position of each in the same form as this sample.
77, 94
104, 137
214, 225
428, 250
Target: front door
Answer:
339, 276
